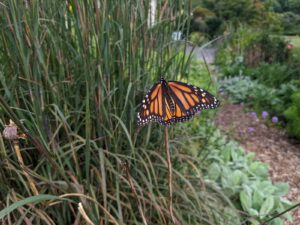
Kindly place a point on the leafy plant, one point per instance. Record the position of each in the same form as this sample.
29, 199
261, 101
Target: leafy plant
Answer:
243, 89
197, 38
244, 180
272, 75
292, 115
251, 49
290, 23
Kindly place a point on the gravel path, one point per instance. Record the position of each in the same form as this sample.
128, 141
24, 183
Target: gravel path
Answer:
271, 146
200, 53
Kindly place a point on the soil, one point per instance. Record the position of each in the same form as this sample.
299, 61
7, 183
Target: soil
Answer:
270, 144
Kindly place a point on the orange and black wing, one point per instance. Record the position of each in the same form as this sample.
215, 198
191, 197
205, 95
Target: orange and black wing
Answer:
152, 106
190, 100
176, 103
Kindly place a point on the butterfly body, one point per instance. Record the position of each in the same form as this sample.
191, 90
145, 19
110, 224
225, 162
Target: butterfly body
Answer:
170, 102
167, 96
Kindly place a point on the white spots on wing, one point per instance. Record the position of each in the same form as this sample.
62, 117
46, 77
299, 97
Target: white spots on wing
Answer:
211, 103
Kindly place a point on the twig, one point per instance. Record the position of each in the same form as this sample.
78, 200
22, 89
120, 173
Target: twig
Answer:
125, 167
84, 215
11, 133
21, 161
38, 145
169, 174
279, 214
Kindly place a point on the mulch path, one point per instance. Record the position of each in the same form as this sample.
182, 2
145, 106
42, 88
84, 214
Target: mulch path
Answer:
271, 146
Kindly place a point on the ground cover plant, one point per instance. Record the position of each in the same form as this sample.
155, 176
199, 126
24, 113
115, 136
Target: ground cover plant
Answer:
259, 97
72, 75
243, 179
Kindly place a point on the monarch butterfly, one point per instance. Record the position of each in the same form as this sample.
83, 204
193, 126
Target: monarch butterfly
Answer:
170, 102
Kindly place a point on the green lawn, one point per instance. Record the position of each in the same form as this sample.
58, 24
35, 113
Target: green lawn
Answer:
294, 39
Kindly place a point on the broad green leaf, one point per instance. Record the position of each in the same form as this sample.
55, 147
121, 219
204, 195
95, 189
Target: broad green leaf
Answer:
281, 189
246, 201
250, 156
214, 171
253, 212
266, 207
258, 199
33, 199
234, 155
254, 221
225, 176
247, 189
286, 203
236, 177
259, 169
266, 187
226, 154
276, 221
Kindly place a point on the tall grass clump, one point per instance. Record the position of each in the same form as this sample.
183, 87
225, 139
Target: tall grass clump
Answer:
71, 76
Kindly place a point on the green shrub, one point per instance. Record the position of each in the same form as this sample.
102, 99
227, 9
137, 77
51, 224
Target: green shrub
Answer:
238, 88
250, 49
243, 89
197, 38
290, 23
274, 48
215, 26
292, 115
234, 47
284, 93
205, 21
272, 75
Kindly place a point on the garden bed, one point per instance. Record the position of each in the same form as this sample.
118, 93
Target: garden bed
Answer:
270, 144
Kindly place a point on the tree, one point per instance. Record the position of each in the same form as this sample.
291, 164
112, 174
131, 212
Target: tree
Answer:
237, 11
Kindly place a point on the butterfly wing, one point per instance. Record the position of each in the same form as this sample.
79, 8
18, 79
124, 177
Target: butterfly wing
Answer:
176, 103
190, 100
152, 106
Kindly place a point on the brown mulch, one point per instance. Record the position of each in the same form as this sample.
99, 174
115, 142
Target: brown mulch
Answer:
271, 146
